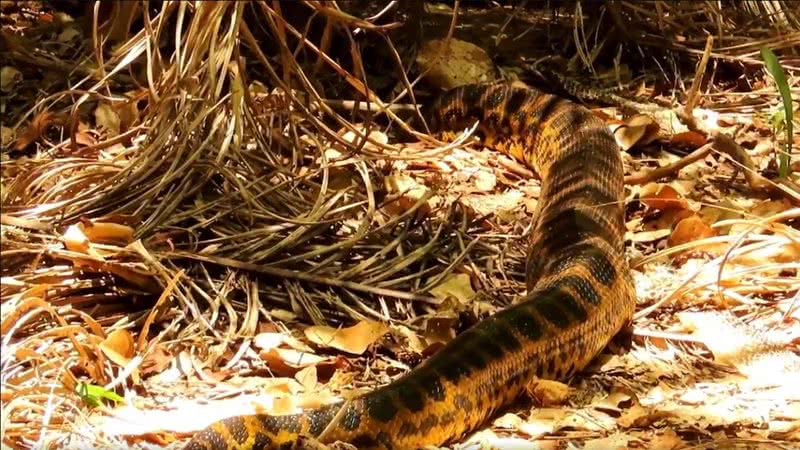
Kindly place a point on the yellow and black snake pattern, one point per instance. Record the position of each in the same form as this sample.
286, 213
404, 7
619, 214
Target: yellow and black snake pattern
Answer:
580, 292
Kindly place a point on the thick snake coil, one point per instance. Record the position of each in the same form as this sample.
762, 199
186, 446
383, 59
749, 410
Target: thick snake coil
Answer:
580, 292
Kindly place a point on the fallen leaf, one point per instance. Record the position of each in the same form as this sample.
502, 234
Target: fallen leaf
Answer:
355, 339
68, 35
374, 135
639, 416
452, 63
548, 392
439, 330
267, 341
456, 286
640, 129
485, 181
647, 236
689, 138
307, 377
408, 193
616, 441
36, 128
106, 118
287, 362
669, 440
156, 360
769, 208
662, 197
75, 240
118, 346
690, 229
541, 421
9, 76
107, 232
7, 136
613, 402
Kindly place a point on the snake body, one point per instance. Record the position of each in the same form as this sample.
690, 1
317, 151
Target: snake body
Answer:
580, 293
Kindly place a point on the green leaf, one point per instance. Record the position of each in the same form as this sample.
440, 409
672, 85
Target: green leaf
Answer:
92, 394
776, 71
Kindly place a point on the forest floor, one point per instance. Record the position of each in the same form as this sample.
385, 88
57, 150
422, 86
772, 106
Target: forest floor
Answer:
172, 259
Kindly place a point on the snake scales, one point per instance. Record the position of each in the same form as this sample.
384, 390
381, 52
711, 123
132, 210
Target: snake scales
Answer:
580, 292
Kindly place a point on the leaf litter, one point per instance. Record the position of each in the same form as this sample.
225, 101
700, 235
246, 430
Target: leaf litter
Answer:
125, 297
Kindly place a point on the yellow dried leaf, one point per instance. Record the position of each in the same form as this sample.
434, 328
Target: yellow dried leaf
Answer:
637, 130
297, 358
307, 377
485, 181
662, 196
548, 392
75, 240
457, 286
106, 118
448, 64
355, 339
408, 193
9, 76
107, 232
690, 229
669, 440
616, 441
7, 136
118, 346
268, 341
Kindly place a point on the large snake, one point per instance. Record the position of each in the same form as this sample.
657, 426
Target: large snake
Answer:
580, 293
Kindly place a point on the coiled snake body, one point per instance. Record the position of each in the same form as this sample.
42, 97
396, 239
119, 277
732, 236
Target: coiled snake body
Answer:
580, 292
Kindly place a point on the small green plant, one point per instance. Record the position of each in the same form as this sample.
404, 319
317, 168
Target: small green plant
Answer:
93, 394
785, 116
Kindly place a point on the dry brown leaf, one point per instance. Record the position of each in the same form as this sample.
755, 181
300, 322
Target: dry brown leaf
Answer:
36, 129
769, 208
616, 441
548, 392
308, 378
640, 130
637, 416
689, 138
75, 240
414, 343
648, 236
356, 139
118, 346
84, 136
287, 362
456, 286
438, 331
662, 197
485, 181
788, 252
459, 63
107, 232
669, 440
156, 360
355, 339
7, 136
106, 118
541, 421
690, 229
268, 340
408, 193
613, 402
9, 76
